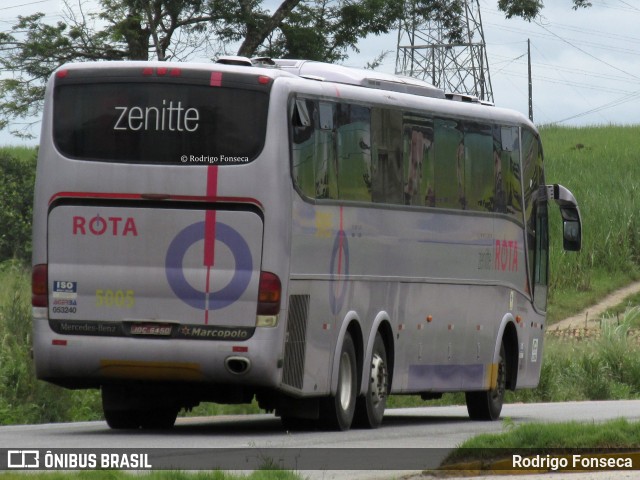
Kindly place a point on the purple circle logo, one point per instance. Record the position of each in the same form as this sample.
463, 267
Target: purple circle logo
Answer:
199, 299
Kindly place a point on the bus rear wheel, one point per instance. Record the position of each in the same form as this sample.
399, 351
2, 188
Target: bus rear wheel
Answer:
337, 411
487, 405
125, 409
370, 407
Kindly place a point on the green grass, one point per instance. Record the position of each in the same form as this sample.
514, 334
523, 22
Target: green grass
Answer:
19, 152
23, 399
603, 176
531, 438
159, 475
603, 368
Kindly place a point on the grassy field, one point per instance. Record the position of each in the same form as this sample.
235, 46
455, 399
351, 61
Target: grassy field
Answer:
599, 165
159, 475
557, 439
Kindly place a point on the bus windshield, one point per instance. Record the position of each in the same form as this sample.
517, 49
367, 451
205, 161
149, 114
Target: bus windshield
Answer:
159, 123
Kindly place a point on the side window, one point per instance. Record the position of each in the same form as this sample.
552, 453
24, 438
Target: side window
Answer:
449, 164
419, 186
325, 158
303, 135
356, 153
479, 167
312, 148
331, 150
386, 156
541, 276
353, 139
509, 187
535, 217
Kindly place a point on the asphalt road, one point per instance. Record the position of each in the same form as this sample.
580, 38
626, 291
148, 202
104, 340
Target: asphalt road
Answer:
329, 454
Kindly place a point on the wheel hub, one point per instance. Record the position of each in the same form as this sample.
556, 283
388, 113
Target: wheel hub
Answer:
378, 379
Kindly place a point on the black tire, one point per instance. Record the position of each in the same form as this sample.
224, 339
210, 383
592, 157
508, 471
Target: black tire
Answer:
487, 405
370, 407
161, 418
122, 419
117, 412
126, 409
337, 411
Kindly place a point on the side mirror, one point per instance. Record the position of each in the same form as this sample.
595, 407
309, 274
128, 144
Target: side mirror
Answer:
571, 221
571, 235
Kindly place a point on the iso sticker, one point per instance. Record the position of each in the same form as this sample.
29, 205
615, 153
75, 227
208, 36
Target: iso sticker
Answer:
65, 290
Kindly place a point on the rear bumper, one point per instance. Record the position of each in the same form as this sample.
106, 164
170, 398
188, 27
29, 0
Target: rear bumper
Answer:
89, 360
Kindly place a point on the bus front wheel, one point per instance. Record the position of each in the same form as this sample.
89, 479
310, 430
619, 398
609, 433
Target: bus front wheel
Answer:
337, 410
487, 405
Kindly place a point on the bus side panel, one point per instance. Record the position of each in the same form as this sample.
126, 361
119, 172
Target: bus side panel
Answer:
446, 280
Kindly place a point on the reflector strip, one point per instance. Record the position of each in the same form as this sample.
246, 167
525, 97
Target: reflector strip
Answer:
216, 79
492, 375
61, 343
240, 349
140, 370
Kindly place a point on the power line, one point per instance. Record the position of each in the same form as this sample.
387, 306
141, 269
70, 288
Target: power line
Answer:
629, 5
613, 103
601, 46
24, 4
585, 52
559, 68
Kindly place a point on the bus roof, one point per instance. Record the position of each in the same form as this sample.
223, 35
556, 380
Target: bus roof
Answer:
359, 77
325, 72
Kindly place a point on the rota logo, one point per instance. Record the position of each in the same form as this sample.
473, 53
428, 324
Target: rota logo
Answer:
115, 226
506, 255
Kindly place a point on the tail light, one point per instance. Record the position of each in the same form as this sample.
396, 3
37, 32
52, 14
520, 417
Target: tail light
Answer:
269, 294
39, 290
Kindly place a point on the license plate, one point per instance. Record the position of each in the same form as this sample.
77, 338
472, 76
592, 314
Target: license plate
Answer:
151, 329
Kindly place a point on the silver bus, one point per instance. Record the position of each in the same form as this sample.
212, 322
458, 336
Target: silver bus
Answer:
307, 235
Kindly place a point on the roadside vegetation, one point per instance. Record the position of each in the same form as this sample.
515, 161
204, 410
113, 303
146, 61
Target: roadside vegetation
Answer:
158, 475
599, 165
534, 438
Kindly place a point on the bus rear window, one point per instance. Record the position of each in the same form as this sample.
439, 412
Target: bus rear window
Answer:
156, 123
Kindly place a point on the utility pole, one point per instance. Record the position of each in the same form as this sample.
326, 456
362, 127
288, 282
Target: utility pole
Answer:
530, 82
423, 52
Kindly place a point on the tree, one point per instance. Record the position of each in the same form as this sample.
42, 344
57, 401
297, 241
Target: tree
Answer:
182, 29
529, 9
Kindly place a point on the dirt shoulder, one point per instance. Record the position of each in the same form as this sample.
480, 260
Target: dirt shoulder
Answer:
590, 317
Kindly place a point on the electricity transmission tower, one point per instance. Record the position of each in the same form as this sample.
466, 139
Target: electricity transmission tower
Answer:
423, 52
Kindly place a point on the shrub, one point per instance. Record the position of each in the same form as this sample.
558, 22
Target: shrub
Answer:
17, 179
23, 398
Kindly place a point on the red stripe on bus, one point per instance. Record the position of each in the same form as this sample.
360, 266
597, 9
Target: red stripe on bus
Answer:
210, 233
210, 217
340, 243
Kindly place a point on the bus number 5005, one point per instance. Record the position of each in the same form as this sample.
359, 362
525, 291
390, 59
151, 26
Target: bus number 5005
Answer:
115, 298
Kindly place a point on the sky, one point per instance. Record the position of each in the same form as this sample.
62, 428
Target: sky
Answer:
585, 63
